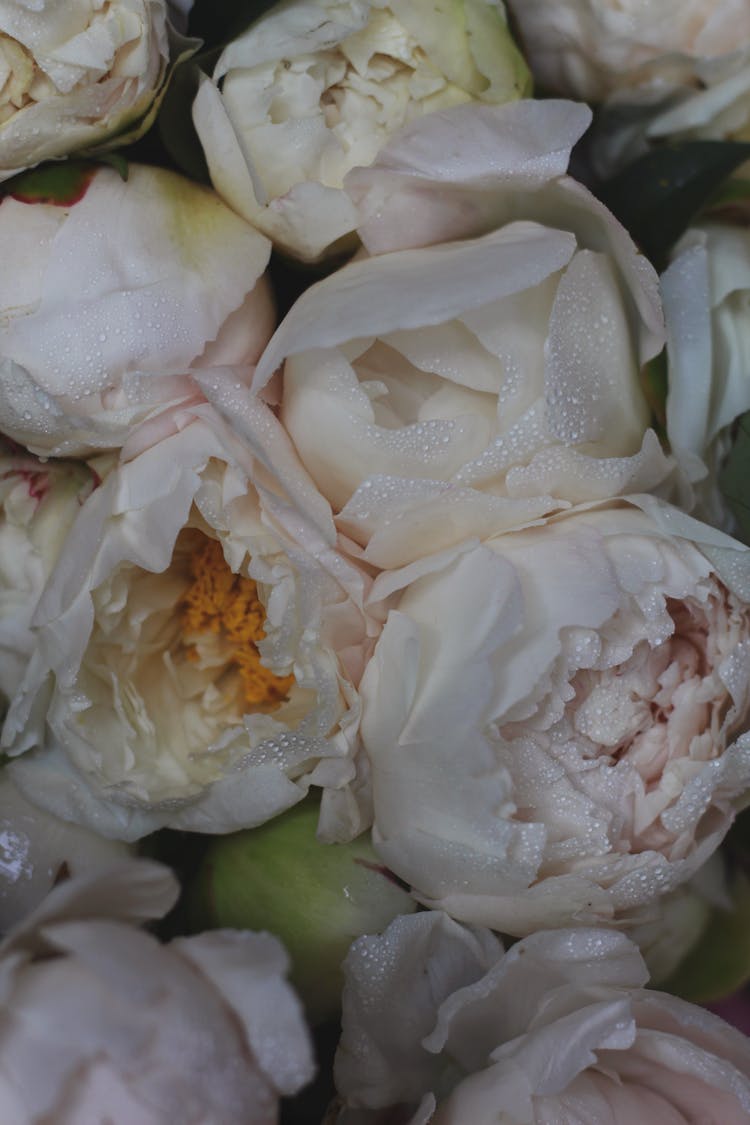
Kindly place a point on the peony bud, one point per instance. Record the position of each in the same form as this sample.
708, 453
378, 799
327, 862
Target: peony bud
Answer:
316, 897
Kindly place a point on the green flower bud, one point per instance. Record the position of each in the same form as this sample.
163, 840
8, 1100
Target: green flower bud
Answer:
317, 898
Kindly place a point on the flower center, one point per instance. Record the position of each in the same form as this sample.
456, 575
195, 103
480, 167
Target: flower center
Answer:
227, 605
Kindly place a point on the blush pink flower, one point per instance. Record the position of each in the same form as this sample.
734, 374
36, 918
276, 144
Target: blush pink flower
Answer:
556, 717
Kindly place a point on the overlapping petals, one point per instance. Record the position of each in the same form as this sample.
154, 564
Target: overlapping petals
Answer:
554, 717
707, 300
116, 298
199, 643
461, 388
98, 1017
74, 73
316, 87
441, 1026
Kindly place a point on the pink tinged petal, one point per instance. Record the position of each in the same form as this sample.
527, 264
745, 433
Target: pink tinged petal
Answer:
248, 970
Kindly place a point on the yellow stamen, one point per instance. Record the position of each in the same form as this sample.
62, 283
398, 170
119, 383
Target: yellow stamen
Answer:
224, 603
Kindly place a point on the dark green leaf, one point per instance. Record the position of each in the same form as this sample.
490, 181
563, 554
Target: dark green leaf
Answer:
657, 197
734, 480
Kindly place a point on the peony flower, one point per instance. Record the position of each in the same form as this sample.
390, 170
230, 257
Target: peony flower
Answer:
708, 99
441, 1026
480, 384
554, 717
198, 644
316, 87
38, 850
92, 342
707, 300
102, 1023
664, 69
38, 503
77, 73
592, 48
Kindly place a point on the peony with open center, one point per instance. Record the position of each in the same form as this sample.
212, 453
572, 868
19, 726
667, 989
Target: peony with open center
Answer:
568, 739
198, 645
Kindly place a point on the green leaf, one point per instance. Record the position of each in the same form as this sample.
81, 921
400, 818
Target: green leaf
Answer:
734, 479
720, 962
657, 197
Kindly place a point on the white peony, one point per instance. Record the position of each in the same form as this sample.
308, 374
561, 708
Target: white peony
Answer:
462, 388
664, 69
76, 73
555, 717
92, 342
441, 1026
316, 87
38, 503
198, 645
706, 99
591, 48
707, 302
38, 850
102, 1023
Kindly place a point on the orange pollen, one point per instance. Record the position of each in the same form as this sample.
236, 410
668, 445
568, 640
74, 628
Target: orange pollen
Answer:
221, 602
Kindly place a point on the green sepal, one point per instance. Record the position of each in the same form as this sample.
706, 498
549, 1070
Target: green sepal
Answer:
61, 183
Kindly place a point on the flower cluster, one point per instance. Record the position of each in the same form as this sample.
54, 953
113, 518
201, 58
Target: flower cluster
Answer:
395, 595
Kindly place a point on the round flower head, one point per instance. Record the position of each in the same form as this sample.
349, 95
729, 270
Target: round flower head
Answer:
591, 48
665, 70
75, 73
316, 87
198, 645
462, 388
555, 717
91, 343
440, 1026
102, 1023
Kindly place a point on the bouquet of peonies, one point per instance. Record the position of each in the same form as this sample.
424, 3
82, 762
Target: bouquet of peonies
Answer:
375, 562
